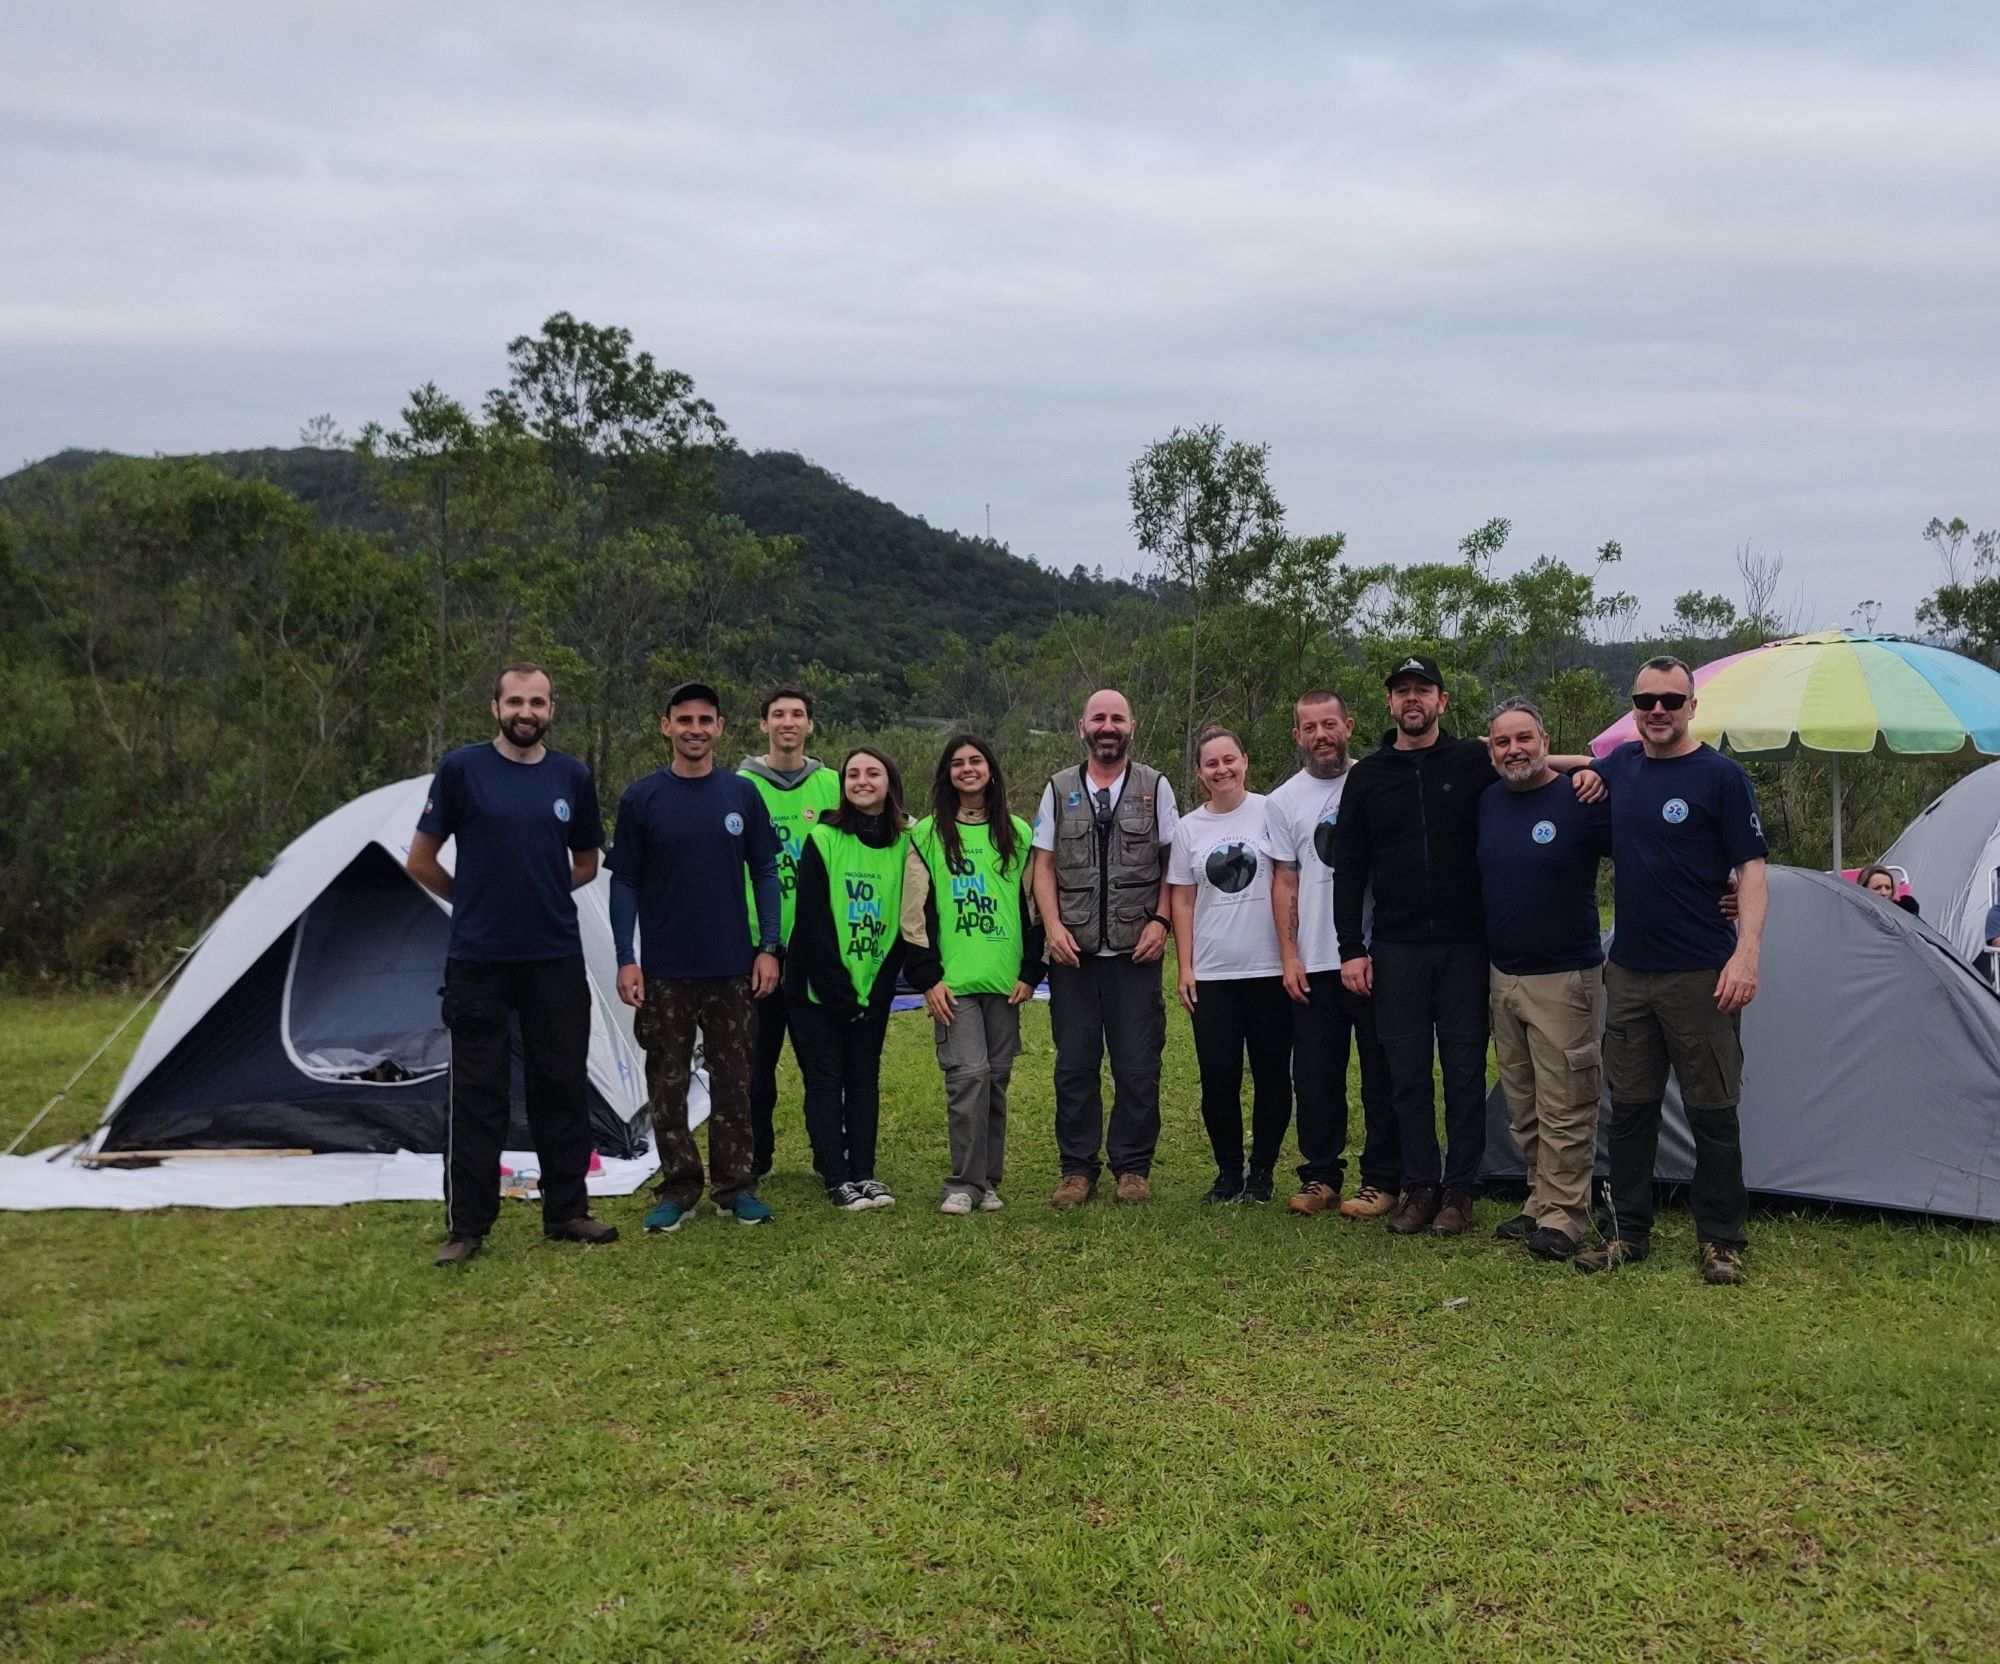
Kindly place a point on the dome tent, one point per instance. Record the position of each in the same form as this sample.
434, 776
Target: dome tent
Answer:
1950, 857
1871, 1064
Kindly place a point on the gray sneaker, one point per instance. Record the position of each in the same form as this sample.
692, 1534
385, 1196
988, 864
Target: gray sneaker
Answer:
990, 1202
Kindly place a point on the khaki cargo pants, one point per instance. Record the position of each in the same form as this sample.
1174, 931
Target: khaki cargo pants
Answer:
1545, 1042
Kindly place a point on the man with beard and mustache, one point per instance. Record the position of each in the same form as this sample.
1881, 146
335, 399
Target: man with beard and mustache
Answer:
1539, 846
527, 829
1101, 837
1300, 819
1409, 826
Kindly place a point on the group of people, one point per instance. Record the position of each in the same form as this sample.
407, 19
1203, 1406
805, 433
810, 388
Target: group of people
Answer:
1401, 908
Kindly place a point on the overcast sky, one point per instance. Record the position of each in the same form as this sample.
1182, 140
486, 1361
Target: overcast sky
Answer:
1688, 276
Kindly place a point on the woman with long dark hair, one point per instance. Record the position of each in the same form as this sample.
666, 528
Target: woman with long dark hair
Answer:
840, 971
975, 952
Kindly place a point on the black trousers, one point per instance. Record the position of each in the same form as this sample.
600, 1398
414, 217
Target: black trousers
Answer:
1322, 1030
1107, 1003
773, 1023
1435, 993
842, 1062
1254, 1015
550, 998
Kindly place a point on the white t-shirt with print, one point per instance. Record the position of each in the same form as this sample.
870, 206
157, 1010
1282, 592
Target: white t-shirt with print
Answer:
1225, 859
1299, 818
1165, 813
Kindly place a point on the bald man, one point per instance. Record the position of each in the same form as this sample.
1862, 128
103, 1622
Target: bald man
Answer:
1101, 837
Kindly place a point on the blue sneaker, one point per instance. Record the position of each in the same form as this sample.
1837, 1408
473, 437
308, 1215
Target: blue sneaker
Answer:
668, 1216
747, 1210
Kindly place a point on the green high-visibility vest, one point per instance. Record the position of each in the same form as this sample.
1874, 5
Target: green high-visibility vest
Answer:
978, 906
794, 813
865, 886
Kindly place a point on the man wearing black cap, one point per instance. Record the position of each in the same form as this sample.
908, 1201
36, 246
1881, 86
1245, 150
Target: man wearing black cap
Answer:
687, 834
1409, 827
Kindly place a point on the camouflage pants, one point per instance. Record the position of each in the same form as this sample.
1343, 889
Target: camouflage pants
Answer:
723, 1009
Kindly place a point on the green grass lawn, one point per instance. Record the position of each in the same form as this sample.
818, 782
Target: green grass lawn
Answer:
1161, 1434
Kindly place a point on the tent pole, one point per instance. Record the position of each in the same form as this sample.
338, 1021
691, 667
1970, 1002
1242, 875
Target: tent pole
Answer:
1833, 774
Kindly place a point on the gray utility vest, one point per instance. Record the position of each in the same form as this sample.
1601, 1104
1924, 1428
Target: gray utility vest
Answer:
1107, 888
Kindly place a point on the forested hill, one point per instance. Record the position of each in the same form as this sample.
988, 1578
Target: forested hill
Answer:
878, 589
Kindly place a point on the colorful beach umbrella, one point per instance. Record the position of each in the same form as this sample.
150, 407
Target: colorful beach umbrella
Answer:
1840, 693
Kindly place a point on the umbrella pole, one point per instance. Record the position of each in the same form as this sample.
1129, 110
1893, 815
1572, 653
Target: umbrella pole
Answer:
1833, 775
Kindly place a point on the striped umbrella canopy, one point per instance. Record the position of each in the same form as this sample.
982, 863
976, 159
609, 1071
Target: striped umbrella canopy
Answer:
1840, 693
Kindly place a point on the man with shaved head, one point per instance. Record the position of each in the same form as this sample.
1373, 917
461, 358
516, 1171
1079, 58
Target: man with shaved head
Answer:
1101, 837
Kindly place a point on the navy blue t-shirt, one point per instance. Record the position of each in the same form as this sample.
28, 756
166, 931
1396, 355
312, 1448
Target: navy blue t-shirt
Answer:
1678, 824
517, 825
1538, 855
685, 843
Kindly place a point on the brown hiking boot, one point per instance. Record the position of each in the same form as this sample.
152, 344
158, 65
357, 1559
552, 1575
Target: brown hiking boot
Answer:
1721, 1265
1419, 1208
583, 1228
1368, 1203
1455, 1215
1610, 1256
1314, 1198
1132, 1187
458, 1249
1074, 1191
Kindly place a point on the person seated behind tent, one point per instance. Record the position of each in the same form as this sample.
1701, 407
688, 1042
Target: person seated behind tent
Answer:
1880, 880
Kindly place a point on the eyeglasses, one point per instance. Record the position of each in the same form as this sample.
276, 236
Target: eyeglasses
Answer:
1664, 701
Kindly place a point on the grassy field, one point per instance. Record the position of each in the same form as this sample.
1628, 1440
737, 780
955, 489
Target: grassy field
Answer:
1159, 1434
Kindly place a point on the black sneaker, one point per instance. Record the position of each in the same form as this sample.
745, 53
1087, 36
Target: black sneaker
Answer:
848, 1198
1548, 1243
1256, 1188
1517, 1229
1225, 1189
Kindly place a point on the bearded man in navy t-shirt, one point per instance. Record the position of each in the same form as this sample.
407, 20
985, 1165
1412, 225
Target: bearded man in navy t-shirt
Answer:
526, 826
1682, 815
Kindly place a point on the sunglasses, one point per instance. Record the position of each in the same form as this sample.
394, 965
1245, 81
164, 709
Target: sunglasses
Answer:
1663, 701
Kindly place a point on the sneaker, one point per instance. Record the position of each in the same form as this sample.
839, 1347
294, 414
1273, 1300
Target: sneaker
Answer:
1257, 1188
1223, 1191
747, 1209
990, 1202
1313, 1198
1368, 1203
1548, 1243
1518, 1229
583, 1228
958, 1202
1074, 1191
458, 1249
1454, 1215
668, 1216
1134, 1189
1610, 1255
848, 1198
1419, 1208
1721, 1266
876, 1192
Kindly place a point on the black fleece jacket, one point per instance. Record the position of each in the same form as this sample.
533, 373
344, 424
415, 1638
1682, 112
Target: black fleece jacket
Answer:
1409, 826
812, 958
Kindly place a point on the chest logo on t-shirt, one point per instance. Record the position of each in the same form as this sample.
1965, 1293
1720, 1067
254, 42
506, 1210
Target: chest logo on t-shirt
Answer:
732, 823
1674, 811
809, 814
1231, 867
562, 810
1545, 832
1323, 835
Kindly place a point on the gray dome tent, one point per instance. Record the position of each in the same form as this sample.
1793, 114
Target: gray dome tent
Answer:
1872, 1063
1950, 857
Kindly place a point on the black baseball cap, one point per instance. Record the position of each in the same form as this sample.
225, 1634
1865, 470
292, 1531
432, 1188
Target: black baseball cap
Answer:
1415, 665
694, 690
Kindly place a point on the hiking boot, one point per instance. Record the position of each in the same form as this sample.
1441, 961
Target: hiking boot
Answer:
1257, 1188
1548, 1243
1456, 1213
582, 1228
990, 1202
1419, 1208
1518, 1229
1134, 1188
958, 1202
1225, 1189
747, 1209
1610, 1256
848, 1198
458, 1249
876, 1192
1721, 1266
1368, 1203
668, 1216
1074, 1191
1313, 1198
